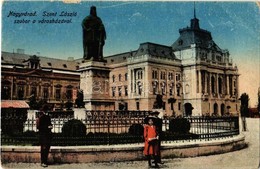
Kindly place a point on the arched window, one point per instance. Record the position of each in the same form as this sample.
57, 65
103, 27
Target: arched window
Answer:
58, 92
69, 92
126, 76
139, 74
215, 109
188, 109
20, 93
6, 90
213, 84
219, 85
222, 109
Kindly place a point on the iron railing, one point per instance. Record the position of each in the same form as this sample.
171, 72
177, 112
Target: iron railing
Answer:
120, 127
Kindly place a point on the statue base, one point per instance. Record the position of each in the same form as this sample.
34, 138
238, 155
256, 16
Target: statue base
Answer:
94, 81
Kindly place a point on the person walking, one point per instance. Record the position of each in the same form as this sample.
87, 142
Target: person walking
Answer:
151, 146
44, 126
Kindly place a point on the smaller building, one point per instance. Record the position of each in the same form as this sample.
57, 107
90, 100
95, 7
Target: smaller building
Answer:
52, 80
13, 116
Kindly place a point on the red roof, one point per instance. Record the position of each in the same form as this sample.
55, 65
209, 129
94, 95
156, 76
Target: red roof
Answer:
14, 104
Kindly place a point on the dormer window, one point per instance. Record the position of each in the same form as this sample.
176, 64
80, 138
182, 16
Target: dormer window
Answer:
49, 64
64, 65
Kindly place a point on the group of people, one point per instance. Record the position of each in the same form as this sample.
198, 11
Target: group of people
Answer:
152, 136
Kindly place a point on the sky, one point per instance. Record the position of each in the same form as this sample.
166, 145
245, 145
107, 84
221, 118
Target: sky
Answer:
233, 26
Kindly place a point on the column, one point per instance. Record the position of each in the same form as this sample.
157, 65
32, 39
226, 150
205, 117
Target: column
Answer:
200, 84
217, 87
174, 85
206, 82
227, 77
210, 92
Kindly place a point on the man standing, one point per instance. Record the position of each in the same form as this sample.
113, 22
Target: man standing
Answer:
94, 36
44, 126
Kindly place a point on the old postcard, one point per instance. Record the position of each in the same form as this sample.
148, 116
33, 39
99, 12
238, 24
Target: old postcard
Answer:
109, 64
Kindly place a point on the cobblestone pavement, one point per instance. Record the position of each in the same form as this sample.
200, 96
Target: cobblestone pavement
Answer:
247, 158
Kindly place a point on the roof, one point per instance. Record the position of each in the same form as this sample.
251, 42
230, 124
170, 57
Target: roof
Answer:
155, 50
21, 60
195, 35
14, 104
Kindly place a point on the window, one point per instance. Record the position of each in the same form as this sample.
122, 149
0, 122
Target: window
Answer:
21, 92
69, 93
179, 106
113, 91
119, 91
172, 108
219, 85
154, 74
6, 90
178, 77
137, 106
126, 76
163, 87
139, 74
170, 76
155, 87
126, 91
45, 92
34, 91
170, 91
139, 88
163, 75
119, 77
64, 65
58, 94
113, 78
178, 91
212, 84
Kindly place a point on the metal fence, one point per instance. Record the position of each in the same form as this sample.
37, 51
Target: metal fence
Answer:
119, 127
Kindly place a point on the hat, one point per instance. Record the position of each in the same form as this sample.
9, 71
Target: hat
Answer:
146, 119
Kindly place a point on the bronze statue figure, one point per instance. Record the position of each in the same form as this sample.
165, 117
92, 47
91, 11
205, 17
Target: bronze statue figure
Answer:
94, 36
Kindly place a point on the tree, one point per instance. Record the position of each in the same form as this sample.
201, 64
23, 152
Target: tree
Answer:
79, 100
158, 104
244, 98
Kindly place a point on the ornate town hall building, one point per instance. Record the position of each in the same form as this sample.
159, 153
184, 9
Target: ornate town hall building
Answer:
193, 76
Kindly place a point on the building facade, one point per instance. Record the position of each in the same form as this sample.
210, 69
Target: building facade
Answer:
53, 80
193, 76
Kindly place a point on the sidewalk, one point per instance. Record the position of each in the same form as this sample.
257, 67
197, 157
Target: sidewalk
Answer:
247, 158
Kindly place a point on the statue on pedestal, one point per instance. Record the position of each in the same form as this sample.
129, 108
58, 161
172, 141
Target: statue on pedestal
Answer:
94, 36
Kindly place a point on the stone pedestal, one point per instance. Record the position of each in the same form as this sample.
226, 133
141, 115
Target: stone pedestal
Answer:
94, 81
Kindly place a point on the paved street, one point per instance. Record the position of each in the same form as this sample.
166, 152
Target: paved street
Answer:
247, 158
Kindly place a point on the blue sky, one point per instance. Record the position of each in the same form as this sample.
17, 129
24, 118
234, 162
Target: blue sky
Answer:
233, 25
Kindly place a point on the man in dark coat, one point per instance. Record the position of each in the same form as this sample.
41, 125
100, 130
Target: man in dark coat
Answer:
94, 35
44, 126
